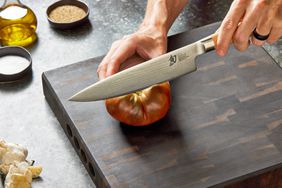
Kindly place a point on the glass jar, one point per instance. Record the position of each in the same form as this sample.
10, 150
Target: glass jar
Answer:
17, 24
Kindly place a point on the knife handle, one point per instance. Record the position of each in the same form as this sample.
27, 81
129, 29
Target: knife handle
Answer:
210, 42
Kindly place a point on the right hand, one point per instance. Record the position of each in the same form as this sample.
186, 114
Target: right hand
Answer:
148, 42
245, 16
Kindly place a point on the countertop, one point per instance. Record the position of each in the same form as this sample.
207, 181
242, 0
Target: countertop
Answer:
25, 116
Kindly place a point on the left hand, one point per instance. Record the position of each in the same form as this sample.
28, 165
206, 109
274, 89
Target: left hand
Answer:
245, 16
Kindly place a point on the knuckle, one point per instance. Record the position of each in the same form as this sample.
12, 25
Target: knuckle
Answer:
268, 17
125, 36
241, 2
100, 68
161, 49
128, 40
130, 43
261, 4
111, 61
240, 38
265, 21
276, 5
228, 24
159, 52
116, 43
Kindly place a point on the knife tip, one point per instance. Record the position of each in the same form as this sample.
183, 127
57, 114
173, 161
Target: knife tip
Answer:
74, 98
79, 98
71, 99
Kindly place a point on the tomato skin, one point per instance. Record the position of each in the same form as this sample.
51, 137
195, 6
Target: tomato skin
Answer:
143, 107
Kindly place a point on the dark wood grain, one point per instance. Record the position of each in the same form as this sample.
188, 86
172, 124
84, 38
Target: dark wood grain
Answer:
271, 179
224, 125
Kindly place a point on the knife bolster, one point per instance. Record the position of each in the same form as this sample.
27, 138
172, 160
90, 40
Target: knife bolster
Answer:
209, 42
208, 45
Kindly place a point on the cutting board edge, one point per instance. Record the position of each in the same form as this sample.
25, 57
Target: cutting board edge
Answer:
71, 132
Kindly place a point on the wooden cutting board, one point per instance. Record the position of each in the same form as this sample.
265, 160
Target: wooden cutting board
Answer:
224, 127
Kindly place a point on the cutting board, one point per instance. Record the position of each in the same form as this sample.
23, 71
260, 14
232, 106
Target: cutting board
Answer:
224, 127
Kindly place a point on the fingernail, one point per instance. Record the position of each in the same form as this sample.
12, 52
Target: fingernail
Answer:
101, 77
220, 52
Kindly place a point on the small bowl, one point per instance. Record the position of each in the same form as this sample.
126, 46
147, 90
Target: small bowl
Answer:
68, 25
15, 51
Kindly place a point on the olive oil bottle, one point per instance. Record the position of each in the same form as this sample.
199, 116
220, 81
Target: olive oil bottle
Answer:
17, 24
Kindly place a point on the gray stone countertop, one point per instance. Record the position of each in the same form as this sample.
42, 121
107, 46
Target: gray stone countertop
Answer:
25, 116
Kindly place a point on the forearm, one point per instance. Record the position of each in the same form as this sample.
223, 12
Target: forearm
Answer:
162, 13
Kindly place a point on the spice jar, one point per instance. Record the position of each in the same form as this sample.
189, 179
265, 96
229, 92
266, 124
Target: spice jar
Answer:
17, 24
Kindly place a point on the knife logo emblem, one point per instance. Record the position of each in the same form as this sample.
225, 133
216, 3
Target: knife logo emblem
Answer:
172, 60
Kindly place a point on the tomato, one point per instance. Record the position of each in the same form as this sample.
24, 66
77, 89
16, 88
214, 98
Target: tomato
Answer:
143, 107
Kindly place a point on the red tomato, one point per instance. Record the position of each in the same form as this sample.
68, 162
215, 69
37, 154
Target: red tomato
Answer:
141, 108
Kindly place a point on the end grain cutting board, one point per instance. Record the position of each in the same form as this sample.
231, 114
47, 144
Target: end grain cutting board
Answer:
224, 127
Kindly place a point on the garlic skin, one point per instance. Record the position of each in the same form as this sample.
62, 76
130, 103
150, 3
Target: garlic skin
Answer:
10, 153
35, 170
13, 164
19, 176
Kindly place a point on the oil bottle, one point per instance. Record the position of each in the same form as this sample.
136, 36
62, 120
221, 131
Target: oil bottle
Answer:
17, 24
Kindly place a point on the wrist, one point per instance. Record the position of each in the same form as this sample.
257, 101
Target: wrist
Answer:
155, 30
157, 16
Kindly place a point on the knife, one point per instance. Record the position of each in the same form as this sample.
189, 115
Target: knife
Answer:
157, 70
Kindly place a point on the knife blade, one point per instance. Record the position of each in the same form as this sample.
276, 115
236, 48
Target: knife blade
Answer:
157, 70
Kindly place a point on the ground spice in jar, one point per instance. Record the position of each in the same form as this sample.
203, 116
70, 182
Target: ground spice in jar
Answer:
67, 14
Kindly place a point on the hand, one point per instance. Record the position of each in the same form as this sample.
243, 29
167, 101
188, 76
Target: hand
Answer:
148, 42
245, 16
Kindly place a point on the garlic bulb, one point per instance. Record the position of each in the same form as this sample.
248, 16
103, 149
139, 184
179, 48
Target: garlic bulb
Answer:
10, 153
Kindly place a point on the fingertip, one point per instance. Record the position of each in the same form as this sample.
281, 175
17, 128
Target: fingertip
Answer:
109, 73
111, 70
220, 48
241, 48
222, 45
220, 52
101, 76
